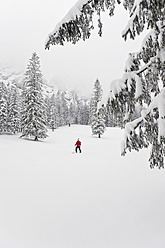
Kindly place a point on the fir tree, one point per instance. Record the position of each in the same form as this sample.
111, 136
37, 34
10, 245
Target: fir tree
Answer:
71, 117
84, 114
64, 109
98, 122
3, 107
59, 108
78, 111
48, 116
97, 114
33, 114
13, 110
53, 113
109, 118
143, 83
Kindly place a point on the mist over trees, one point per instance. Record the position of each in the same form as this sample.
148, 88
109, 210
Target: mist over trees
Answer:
29, 106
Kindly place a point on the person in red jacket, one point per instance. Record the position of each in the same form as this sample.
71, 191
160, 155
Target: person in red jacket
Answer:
78, 145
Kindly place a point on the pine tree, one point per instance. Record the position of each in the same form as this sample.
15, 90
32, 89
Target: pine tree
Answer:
64, 109
13, 110
53, 113
59, 108
3, 107
144, 79
33, 113
98, 122
97, 114
73, 108
143, 82
109, 118
84, 114
47, 104
71, 117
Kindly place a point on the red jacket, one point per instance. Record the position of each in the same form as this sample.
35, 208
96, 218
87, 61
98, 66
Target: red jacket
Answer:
78, 143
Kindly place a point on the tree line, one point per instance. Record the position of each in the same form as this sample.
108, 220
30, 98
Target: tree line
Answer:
29, 110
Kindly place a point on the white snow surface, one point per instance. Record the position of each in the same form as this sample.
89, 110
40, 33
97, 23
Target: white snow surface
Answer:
50, 197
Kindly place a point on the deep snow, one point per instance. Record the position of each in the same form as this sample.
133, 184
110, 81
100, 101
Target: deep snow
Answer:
52, 198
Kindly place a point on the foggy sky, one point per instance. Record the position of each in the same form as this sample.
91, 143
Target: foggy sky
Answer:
25, 24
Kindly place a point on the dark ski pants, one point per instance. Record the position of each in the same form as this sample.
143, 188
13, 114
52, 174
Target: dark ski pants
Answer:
78, 147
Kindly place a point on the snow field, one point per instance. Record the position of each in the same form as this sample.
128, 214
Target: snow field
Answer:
50, 197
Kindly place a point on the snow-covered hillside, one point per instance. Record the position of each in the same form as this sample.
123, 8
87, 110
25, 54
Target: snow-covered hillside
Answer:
50, 197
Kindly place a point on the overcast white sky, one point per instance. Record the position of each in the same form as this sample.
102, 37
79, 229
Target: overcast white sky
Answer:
25, 24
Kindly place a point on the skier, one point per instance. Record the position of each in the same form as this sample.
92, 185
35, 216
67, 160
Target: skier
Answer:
78, 145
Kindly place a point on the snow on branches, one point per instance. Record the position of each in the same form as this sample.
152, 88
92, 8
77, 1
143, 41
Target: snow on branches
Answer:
142, 83
127, 82
147, 87
148, 129
143, 12
78, 22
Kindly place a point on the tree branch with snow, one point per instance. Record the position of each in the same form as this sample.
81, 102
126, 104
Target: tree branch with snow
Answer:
78, 22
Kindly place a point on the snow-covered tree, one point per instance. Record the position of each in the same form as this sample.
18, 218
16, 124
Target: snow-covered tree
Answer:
78, 23
98, 122
143, 82
109, 118
144, 79
34, 112
64, 109
3, 107
47, 104
13, 110
97, 113
53, 113
78, 111
71, 117
118, 117
84, 114
59, 108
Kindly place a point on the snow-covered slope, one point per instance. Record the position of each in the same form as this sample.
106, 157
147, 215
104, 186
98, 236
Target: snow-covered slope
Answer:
50, 197
10, 76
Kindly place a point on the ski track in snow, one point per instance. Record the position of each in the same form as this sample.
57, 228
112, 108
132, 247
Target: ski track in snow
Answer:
50, 197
